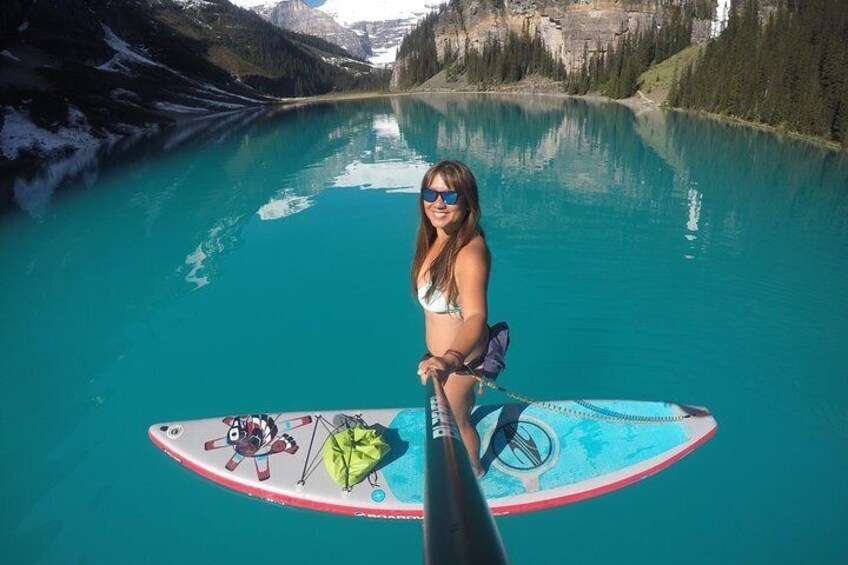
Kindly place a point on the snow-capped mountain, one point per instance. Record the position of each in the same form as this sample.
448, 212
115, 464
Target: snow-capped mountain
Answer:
385, 23
297, 16
349, 12
379, 25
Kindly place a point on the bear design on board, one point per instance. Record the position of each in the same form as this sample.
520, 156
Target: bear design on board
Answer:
257, 436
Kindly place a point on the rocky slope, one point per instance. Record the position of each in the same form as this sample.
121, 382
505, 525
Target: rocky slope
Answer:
78, 73
574, 31
297, 16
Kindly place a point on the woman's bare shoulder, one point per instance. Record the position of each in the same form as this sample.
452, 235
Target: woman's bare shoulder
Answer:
476, 252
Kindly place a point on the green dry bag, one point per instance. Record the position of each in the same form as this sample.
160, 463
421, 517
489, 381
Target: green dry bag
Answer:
350, 454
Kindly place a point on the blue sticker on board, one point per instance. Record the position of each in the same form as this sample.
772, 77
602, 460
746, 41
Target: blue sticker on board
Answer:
378, 495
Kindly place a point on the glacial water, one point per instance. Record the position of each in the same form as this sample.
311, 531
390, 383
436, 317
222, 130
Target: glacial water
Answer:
260, 263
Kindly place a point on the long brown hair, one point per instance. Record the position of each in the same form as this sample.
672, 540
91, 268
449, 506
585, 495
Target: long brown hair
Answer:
456, 176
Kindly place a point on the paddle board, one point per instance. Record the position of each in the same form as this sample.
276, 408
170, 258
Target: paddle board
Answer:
535, 457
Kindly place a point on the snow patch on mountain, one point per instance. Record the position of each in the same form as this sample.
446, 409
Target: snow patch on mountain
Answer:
247, 4
192, 3
20, 134
384, 56
719, 22
385, 23
124, 53
349, 12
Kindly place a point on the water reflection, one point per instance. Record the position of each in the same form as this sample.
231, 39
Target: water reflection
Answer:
33, 191
222, 237
284, 204
382, 160
539, 156
536, 157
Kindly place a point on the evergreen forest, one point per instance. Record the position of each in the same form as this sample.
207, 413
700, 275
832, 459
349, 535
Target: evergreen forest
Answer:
791, 72
612, 70
418, 53
615, 72
519, 56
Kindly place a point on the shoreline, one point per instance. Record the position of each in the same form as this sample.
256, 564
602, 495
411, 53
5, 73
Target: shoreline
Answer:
778, 131
635, 103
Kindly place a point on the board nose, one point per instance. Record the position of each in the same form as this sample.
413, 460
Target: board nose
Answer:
161, 433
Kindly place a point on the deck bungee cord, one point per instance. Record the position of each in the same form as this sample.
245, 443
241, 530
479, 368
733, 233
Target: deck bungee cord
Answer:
597, 412
310, 465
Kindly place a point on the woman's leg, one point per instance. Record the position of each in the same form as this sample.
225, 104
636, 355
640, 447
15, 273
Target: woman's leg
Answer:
460, 392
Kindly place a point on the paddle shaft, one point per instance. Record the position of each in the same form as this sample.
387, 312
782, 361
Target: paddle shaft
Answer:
458, 525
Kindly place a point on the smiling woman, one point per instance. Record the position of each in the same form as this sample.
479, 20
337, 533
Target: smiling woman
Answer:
450, 275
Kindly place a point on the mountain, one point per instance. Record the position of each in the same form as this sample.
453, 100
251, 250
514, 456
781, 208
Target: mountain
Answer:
573, 32
367, 29
384, 23
77, 73
297, 16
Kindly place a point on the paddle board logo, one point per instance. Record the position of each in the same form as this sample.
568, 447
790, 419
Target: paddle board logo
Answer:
522, 445
441, 421
525, 449
257, 436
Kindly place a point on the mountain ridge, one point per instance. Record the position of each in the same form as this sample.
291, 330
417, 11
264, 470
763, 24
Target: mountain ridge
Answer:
297, 16
74, 73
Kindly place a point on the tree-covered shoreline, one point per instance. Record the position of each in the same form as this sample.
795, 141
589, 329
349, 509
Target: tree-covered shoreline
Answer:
786, 71
791, 73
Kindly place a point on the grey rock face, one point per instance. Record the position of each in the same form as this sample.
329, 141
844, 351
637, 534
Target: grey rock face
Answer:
385, 36
297, 16
574, 31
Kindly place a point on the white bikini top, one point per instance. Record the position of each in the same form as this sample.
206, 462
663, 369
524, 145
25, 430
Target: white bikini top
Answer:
438, 303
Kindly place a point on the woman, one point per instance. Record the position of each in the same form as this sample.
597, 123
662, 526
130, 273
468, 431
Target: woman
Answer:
450, 275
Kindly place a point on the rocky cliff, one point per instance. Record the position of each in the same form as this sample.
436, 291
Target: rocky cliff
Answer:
574, 31
297, 16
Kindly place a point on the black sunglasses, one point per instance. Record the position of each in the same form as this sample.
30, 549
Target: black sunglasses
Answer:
449, 197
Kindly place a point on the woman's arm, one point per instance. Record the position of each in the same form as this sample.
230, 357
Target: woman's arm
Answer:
472, 279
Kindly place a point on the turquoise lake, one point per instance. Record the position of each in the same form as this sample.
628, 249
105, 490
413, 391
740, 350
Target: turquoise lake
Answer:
260, 262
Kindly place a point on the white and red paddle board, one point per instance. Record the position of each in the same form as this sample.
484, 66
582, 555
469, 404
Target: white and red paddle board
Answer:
535, 458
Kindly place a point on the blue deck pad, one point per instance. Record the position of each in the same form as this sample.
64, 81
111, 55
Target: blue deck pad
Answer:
544, 450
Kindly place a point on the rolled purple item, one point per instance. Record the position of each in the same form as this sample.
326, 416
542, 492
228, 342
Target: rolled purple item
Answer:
493, 362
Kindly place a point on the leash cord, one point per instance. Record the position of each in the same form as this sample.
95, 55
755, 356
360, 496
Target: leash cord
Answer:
598, 413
